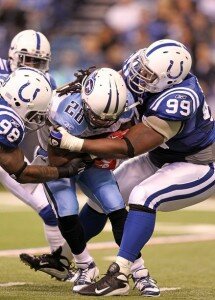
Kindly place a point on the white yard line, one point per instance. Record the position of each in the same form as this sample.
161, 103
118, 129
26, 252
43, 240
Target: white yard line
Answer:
175, 239
6, 284
165, 289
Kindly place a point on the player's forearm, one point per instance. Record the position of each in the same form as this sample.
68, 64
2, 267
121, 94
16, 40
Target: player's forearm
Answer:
37, 174
58, 157
139, 139
106, 148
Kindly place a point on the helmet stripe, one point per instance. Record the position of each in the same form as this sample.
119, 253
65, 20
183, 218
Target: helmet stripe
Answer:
161, 46
38, 41
117, 100
109, 101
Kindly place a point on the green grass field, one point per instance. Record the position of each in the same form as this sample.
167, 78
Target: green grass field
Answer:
186, 266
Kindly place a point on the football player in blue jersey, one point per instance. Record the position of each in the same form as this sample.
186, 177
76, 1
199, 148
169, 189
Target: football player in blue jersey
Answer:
177, 135
83, 115
102, 107
31, 48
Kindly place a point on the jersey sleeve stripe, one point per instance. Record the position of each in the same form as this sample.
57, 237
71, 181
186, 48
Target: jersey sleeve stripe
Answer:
11, 113
193, 95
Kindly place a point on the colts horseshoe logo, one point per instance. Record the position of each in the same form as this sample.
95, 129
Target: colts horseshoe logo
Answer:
21, 91
170, 67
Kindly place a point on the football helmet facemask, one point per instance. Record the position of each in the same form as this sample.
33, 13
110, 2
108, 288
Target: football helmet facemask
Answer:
30, 48
160, 66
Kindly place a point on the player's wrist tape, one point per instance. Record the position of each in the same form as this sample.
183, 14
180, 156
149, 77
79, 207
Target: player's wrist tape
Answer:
130, 151
70, 142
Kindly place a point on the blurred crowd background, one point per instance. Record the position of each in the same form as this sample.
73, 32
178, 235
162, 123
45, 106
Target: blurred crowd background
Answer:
84, 33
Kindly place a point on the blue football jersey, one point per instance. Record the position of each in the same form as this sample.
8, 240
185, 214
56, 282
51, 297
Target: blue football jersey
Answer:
67, 111
4, 69
183, 102
11, 126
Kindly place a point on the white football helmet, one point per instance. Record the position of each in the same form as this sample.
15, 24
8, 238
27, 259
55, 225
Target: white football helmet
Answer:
30, 48
104, 97
28, 92
160, 66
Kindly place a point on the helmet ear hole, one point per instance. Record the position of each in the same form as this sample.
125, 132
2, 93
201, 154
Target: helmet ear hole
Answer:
17, 103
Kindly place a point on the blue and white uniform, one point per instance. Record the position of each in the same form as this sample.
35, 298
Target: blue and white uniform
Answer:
12, 132
11, 127
177, 174
5, 71
98, 184
180, 172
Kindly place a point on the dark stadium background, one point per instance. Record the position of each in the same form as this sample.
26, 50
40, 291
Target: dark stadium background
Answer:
83, 33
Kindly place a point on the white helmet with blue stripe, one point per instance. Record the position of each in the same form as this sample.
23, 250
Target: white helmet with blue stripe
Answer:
28, 92
160, 66
104, 97
30, 48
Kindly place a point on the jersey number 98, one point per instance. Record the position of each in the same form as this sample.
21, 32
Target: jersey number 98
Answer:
6, 128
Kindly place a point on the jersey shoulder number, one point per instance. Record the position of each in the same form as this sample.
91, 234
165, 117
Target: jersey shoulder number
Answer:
176, 104
11, 127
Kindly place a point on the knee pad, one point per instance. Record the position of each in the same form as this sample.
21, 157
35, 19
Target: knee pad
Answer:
117, 219
72, 230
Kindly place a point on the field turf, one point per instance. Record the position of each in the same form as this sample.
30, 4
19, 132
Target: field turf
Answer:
183, 270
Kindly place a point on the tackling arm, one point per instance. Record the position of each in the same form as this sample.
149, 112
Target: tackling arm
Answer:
139, 139
12, 161
59, 157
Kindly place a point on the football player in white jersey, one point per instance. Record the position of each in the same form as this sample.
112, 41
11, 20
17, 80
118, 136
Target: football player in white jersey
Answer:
24, 97
32, 49
176, 131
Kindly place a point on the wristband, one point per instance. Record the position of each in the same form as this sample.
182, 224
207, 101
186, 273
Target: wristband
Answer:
130, 147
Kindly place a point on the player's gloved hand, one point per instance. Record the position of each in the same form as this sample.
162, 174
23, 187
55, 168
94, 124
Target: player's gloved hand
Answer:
59, 137
75, 167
